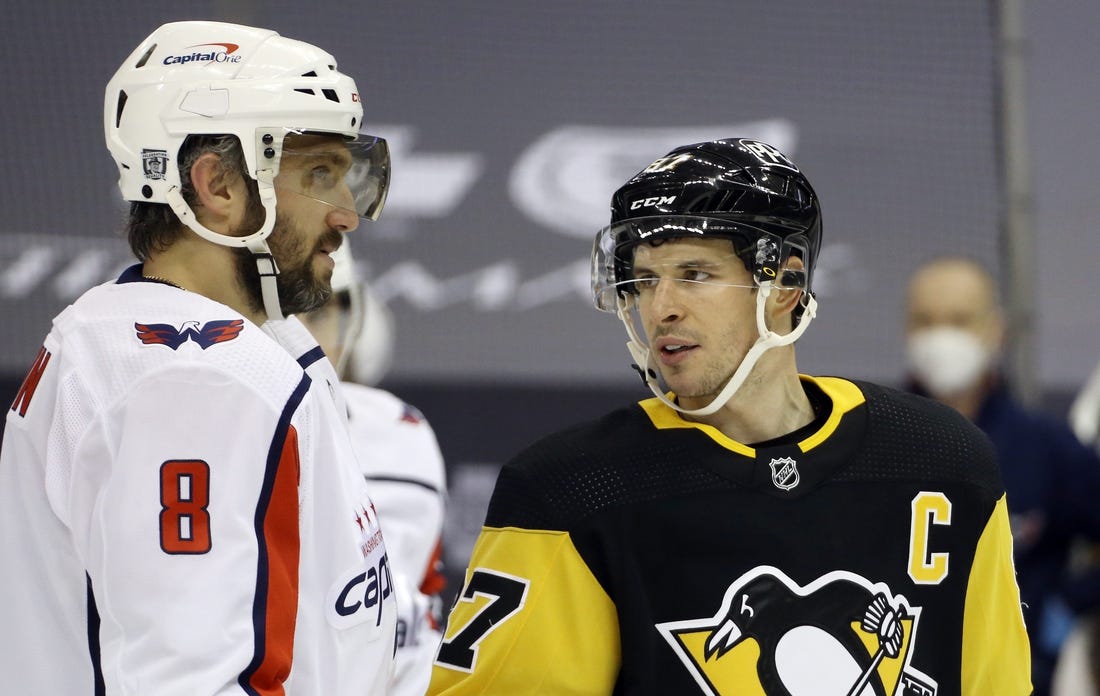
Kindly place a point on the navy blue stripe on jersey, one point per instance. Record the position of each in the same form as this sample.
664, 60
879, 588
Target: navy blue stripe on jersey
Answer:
311, 357
259, 603
132, 275
100, 688
398, 479
136, 274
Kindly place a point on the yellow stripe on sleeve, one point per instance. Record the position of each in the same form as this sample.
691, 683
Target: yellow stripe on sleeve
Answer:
996, 657
531, 619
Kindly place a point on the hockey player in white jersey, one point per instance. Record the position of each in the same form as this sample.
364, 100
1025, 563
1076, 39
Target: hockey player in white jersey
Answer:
181, 511
401, 460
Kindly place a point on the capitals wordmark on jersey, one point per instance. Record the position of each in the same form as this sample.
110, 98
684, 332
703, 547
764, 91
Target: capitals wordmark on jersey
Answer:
360, 595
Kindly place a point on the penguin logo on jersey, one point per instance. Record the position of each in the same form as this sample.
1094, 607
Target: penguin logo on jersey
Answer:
841, 635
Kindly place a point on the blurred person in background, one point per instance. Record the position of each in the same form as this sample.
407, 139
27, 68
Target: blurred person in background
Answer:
1077, 672
1084, 413
955, 334
748, 529
400, 459
181, 510
1078, 669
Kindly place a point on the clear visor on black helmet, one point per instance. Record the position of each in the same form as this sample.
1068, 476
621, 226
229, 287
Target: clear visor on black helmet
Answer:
613, 253
350, 174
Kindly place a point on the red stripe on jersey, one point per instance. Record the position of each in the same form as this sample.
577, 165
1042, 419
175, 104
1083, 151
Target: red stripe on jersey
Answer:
30, 384
282, 540
434, 581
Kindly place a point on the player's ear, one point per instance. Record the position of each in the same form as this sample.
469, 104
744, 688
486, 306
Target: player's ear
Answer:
218, 189
787, 292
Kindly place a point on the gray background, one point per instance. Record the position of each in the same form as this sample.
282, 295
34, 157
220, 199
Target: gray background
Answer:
512, 123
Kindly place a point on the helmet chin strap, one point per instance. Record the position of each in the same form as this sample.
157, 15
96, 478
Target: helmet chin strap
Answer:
768, 339
255, 242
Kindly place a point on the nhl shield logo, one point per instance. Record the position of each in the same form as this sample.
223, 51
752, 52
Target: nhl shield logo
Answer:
154, 163
784, 473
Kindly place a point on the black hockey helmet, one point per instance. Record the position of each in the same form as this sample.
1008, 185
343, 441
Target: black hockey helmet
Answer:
740, 189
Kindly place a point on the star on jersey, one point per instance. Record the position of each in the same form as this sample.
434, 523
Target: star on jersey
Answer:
841, 635
207, 335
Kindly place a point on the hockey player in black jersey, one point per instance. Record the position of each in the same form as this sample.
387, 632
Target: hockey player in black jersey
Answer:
749, 530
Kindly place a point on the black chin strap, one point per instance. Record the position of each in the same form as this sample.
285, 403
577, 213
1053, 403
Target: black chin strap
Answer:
642, 373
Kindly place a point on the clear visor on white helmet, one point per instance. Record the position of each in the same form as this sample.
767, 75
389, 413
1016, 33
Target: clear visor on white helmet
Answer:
351, 174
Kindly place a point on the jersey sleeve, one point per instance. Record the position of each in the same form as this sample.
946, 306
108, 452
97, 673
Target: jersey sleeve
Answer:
401, 461
187, 521
404, 469
531, 619
996, 657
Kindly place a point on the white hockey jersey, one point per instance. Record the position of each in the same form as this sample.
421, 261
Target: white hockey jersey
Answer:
402, 462
181, 511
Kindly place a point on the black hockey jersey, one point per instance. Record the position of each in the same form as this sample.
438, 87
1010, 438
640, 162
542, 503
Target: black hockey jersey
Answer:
646, 554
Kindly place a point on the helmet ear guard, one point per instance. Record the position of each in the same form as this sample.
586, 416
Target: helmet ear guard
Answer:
791, 280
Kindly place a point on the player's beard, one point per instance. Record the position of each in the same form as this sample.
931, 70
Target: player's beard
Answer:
300, 289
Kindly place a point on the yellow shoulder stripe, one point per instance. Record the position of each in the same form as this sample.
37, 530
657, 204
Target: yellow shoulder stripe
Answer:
844, 395
664, 417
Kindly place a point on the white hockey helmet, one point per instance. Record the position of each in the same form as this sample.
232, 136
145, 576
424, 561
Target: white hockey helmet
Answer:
213, 78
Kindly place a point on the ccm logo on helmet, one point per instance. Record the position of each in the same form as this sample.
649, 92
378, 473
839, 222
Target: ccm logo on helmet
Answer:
223, 56
654, 200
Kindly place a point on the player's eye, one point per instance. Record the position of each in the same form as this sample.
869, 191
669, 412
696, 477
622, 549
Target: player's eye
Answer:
696, 275
322, 176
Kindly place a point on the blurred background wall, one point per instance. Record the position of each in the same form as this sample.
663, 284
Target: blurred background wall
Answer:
512, 123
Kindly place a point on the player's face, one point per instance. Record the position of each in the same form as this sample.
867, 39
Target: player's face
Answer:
314, 208
698, 331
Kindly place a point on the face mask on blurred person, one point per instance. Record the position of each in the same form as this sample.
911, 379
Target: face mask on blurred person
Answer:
945, 360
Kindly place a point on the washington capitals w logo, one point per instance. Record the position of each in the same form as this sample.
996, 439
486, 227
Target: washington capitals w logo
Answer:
210, 333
